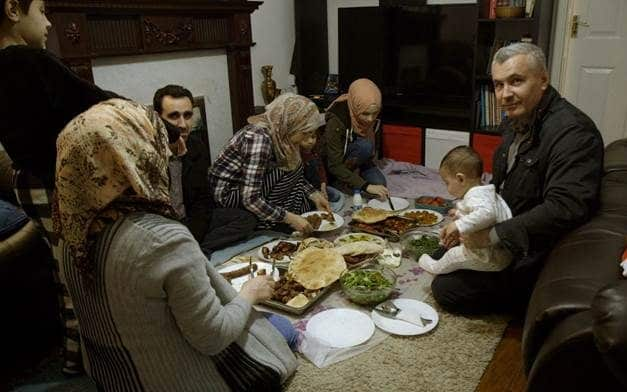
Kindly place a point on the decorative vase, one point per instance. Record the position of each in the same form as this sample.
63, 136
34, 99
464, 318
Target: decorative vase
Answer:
268, 86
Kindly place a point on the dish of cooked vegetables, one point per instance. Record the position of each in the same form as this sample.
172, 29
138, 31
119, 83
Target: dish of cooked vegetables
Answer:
424, 217
366, 286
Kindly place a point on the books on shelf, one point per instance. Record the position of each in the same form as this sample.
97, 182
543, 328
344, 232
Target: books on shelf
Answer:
488, 113
529, 6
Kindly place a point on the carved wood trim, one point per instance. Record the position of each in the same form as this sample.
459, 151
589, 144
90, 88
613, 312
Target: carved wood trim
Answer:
88, 29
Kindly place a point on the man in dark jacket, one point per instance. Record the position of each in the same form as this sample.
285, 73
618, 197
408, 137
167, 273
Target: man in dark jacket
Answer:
548, 169
213, 228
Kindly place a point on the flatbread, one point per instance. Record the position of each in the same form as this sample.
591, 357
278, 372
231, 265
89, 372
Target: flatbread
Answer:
371, 215
317, 268
313, 242
360, 248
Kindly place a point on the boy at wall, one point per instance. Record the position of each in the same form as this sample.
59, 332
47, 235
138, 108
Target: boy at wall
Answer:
480, 208
39, 95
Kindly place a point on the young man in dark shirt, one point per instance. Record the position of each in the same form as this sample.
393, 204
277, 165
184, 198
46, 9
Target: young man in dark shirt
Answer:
39, 95
213, 228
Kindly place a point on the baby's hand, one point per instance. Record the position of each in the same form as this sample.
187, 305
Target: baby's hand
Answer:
452, 212
449, 236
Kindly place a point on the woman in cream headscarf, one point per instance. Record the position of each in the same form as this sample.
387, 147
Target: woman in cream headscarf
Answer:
153, 314
261, 170
349, 140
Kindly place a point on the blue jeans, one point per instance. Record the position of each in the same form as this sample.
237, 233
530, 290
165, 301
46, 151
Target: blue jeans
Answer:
359, 155
286, 329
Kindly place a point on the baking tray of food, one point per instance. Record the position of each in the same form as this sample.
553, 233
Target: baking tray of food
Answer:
392, 228
318, 295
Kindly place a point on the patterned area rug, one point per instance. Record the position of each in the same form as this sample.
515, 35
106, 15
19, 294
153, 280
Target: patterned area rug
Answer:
452, 357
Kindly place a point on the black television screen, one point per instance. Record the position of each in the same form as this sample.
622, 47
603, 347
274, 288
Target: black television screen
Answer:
424, 54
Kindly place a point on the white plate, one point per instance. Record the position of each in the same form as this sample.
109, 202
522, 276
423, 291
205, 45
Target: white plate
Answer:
399, 204
238, 282
399, 327
356, 237
341, 327
389, 258
326, 225
271, 245
437, 214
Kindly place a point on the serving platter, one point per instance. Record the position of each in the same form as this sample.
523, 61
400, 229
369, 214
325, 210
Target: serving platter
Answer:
391, 228
303, 309
357, 237
423, 217
282, 262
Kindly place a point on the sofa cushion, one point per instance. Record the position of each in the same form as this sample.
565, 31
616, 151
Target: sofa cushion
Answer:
609, 309
11, 219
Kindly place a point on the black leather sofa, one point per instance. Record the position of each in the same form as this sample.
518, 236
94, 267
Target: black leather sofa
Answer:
575, 332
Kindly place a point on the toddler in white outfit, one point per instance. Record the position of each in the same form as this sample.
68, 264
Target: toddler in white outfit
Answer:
480, 208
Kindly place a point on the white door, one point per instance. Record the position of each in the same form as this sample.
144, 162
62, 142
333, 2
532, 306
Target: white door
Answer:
596, 64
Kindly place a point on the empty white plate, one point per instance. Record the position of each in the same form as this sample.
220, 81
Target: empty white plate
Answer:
341, 328
399, 204
400, 327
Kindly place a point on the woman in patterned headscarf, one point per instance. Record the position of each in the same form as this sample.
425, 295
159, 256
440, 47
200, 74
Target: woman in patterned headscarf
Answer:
349, 140
153, 314
261, 170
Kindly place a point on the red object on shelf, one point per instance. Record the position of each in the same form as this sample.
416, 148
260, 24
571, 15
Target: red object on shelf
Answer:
485, 145
403, 143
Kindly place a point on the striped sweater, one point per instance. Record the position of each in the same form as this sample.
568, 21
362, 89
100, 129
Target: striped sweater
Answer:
157, 317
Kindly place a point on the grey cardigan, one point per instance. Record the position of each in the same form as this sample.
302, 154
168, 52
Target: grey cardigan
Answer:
157, 313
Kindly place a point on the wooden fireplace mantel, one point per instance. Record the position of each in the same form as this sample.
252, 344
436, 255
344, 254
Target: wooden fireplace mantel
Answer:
88, 29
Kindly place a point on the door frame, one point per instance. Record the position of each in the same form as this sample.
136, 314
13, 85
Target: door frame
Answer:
562, 14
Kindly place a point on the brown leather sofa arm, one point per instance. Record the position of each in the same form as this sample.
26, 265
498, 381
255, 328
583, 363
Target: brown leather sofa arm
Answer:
567, 350
609, 310
579, 266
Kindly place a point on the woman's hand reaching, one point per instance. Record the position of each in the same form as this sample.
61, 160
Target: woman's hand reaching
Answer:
258, 289
321, 202
298, 223
379, 190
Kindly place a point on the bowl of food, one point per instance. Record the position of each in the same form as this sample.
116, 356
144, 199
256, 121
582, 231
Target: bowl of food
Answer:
417, 243
434, 203
368, 285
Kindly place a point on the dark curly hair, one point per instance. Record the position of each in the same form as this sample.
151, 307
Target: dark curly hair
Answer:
171, 90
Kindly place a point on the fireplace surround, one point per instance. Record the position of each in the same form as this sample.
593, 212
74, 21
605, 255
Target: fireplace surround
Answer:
84, 30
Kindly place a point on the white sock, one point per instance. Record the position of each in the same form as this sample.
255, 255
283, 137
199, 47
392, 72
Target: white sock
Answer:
428, 264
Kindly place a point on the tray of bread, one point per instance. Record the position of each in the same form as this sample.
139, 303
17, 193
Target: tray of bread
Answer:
311, 274
312, 269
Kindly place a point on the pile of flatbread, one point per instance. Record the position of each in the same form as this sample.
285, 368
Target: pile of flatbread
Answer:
315, 268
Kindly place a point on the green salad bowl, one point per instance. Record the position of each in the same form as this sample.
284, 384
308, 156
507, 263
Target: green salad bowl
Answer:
368, 285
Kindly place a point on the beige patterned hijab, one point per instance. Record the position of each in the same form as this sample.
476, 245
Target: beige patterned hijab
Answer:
362, 95
287, 115
111, 160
